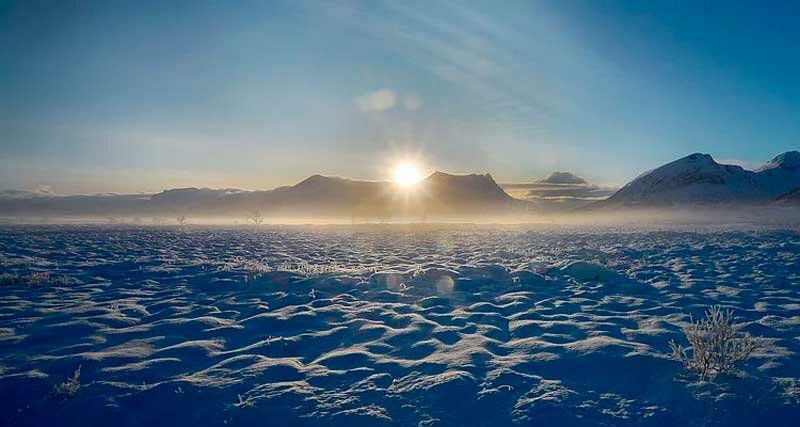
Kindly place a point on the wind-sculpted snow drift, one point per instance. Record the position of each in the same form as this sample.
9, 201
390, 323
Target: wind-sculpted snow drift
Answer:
401, 325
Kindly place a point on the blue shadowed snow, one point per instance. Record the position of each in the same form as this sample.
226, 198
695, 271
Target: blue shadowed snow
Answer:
395, 325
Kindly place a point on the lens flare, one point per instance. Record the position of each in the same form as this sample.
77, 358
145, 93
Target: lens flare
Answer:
406, 174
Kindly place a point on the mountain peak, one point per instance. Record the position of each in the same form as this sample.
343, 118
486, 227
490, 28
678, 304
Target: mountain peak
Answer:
439, 175
562, 178
787, 160
699, 179
472, 187
317, 179
697, 158
789, 156
191, 191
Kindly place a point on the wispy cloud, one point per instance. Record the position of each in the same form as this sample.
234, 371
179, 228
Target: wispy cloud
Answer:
412, 102
379, 100
386, 99
468, 50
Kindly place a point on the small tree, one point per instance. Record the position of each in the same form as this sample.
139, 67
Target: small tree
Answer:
716, 345
181, 220
256, 217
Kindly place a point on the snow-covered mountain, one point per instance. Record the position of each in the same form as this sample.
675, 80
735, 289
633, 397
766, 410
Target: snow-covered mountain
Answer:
781, 174
699, 179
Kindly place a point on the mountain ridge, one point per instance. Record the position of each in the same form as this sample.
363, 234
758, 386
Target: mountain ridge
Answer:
698, 179
439, 194
693, 180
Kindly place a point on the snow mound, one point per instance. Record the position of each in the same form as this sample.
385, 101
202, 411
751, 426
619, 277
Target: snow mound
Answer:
588, 271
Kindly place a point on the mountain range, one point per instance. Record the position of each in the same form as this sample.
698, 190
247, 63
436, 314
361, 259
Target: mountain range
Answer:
695, 180
438, 195
698, 179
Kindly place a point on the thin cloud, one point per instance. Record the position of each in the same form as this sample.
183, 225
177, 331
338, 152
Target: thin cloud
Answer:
472, 54
412, 102
379, 100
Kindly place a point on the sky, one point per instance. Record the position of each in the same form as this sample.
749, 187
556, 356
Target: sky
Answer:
140, 96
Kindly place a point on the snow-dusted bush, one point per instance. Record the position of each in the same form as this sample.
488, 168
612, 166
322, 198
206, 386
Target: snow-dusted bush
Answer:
716, 345
70, 387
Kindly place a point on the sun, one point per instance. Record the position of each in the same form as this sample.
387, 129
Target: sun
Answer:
406, 174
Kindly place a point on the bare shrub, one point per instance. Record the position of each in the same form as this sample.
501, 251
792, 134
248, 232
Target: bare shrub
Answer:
255, 217
10, 279
69, 388
716, 345
38, 278
35, 278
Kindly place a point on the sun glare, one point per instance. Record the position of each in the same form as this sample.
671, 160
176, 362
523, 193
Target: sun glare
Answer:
406, 174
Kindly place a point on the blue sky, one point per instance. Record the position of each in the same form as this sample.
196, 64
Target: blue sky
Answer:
141, 96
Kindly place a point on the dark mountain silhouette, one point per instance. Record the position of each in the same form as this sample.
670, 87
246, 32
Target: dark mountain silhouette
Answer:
318, 196
562, 178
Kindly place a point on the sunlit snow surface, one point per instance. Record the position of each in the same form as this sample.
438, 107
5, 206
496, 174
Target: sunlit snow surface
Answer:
394, 325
